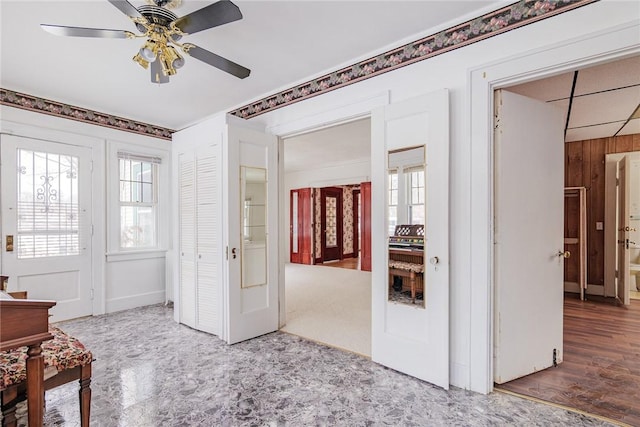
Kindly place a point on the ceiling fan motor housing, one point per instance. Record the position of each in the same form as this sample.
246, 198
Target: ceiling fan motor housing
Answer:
156, 15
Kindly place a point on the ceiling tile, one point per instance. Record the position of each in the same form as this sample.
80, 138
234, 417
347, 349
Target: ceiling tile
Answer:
549, 89
609, 76
605, 107
592, 132
630, 128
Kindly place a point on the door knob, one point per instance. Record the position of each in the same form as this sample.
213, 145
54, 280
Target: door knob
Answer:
565, 254
434, 260
9, 243
233, 253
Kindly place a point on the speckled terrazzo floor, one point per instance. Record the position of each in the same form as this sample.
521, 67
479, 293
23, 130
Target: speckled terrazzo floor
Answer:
151, 371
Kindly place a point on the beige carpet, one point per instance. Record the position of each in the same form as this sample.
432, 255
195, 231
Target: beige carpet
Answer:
329, 305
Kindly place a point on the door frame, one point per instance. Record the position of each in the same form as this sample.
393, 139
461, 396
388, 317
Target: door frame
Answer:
355, 193
614, 44
324, 193
310, 123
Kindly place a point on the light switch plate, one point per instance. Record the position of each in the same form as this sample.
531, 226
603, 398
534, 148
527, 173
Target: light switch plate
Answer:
599, 225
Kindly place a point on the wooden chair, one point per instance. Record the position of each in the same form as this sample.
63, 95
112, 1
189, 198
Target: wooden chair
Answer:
25, 360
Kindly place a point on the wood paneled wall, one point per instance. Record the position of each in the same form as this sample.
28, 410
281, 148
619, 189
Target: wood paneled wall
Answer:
585, 167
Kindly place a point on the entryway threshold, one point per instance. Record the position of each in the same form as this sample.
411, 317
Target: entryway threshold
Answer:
566, 408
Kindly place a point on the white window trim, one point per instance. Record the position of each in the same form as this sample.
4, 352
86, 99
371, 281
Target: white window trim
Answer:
113, 196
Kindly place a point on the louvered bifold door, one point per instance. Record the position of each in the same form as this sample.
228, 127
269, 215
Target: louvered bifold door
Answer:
208, 239
186, 173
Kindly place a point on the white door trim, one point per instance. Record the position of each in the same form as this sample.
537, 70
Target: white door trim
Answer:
615, 43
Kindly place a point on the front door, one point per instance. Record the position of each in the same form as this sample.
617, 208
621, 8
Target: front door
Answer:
251, 199
412, 338
529, 236
331, 223
46, 213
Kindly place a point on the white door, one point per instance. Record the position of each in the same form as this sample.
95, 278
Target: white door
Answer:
46, 208
624, 254
529, 230
251, 199
413, 338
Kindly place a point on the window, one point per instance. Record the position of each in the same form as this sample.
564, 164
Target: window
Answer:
416, 196
48, 213
138, 201
393, 201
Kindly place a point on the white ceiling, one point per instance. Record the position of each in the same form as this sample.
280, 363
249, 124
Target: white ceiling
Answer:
334, 146
282, 42
604, 101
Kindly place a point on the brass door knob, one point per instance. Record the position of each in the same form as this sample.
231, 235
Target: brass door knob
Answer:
565, 254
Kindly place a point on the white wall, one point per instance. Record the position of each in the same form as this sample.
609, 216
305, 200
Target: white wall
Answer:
121, 280
586, 30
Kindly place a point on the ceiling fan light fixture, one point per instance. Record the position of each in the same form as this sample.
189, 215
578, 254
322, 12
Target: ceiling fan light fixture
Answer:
140, 60
148, 51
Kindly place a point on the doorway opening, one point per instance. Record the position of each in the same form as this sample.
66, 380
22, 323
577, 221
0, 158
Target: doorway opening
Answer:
595, 367
324, 173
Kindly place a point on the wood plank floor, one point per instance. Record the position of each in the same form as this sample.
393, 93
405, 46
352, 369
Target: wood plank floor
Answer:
349, 263
600, 373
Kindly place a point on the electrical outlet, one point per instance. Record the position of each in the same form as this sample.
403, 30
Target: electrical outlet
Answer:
599, 225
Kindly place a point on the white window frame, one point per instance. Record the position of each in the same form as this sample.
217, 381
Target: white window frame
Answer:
154, 164
390, 205
162, 191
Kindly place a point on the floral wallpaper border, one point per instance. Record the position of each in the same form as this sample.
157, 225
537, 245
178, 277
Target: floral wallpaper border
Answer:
497, 22
53, 108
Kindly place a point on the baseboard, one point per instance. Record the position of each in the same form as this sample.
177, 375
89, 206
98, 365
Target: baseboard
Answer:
350, 255
591, 289
133, 301
317, 261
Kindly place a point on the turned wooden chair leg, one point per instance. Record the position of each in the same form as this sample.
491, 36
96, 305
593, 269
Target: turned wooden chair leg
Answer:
85, 395
35, 389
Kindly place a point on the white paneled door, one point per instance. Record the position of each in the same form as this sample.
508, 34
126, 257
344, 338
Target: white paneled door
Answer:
46, 213
529, 236
413, 337
252, 219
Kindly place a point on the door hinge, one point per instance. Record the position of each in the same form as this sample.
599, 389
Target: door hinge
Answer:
226, 253
92, 229
617, 182
555, 357
91, 166
92, 294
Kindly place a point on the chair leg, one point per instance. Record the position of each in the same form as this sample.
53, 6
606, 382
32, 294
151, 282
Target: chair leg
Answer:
85, 395
9, 400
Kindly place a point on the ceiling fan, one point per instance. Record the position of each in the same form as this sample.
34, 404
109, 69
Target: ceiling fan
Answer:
163, 30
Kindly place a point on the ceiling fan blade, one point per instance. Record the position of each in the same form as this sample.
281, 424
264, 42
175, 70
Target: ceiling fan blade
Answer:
216, 14
127, 8
157, 76
61, 30
217, 61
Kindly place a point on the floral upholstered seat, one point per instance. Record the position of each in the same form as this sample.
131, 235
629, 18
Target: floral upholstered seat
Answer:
60, 353
406, 266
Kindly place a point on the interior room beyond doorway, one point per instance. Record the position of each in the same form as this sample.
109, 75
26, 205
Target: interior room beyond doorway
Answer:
324, 173
596, 374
